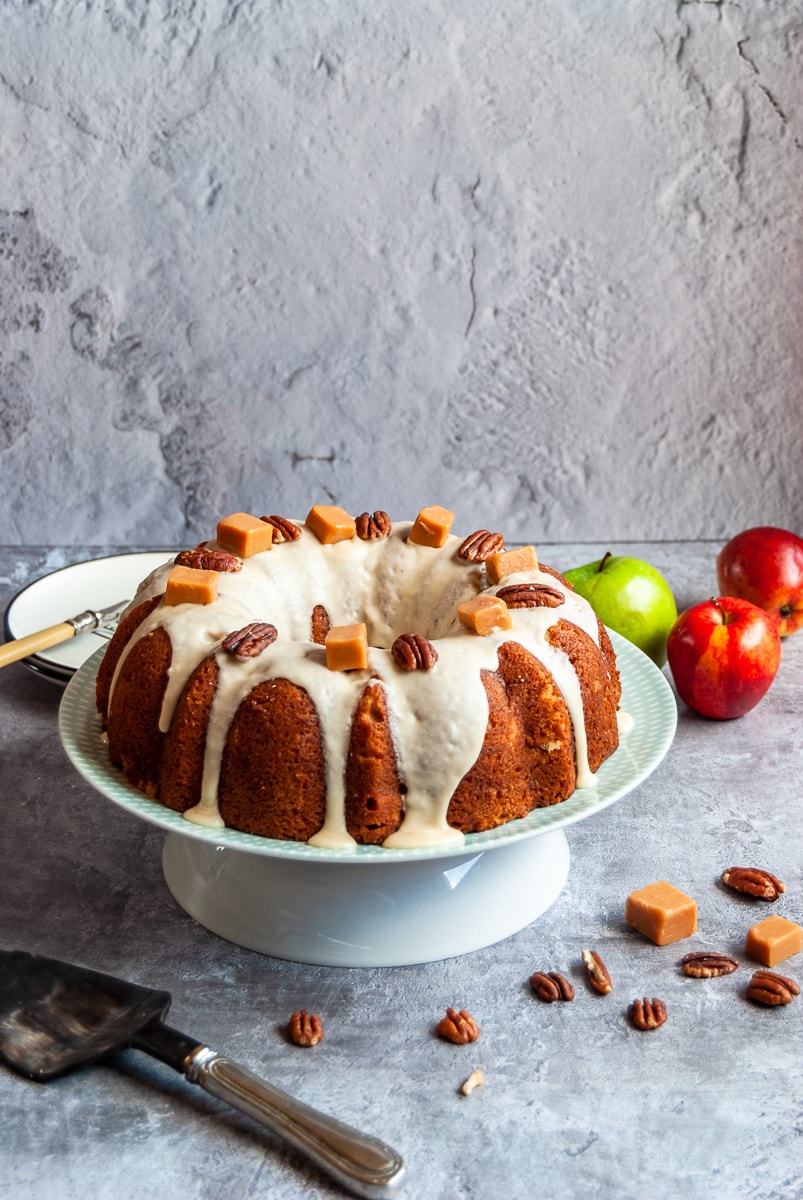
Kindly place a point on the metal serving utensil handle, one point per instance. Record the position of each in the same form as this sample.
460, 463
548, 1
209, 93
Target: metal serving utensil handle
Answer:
361, 1163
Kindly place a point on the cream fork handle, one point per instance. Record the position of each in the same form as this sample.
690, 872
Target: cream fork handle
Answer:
32, 642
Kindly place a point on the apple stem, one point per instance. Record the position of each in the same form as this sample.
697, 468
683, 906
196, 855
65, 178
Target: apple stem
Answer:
603, 560
726, 616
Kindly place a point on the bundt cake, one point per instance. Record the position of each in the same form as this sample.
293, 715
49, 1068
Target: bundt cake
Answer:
336, 681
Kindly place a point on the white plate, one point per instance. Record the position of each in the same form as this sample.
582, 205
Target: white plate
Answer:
308, 903
97, 583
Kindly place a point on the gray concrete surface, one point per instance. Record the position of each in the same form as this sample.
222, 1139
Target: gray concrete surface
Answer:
575, 1101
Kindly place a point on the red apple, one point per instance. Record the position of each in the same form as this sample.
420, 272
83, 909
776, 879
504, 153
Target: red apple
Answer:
765, 566
723, 655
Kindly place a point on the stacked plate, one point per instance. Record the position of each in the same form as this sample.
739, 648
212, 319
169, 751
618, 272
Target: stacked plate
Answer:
96, 584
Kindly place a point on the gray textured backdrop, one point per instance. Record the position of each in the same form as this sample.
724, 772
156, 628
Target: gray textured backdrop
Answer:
540, 263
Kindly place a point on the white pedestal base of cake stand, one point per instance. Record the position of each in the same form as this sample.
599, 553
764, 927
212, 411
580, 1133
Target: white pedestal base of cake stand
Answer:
367, 914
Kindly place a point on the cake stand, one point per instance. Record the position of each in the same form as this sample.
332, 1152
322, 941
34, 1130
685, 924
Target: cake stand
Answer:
365, 906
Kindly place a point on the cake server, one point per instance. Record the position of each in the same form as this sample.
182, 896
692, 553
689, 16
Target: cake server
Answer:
55, 1016
31, 643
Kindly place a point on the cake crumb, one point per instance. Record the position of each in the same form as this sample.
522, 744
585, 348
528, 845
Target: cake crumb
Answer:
476, 1079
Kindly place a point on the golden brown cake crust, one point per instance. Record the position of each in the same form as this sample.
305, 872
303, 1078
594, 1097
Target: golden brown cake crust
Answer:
135, 739
272, 777
495, 789
182, 764
122, 636
374, 802
606, 646
527, 758
596, 688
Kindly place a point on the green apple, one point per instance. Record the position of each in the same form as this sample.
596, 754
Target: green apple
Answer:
631, 597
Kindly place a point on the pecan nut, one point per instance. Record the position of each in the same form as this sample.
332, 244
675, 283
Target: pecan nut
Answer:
305, 1029
204, 559
531, 595
319, 624
251, 640
371, 527
705, 964
753, 881
598, 974
550, 985
413, 652
283, 530
481, 545
458, 1026
770, 988
647, 1014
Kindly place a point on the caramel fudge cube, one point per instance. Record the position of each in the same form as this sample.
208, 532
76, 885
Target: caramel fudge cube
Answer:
431, 527
772, 940
483, 614
330, 524
661, 912
242, 534
508, 562
187, 585
347, 647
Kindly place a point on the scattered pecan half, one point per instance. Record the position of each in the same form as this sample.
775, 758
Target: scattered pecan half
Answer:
371, 527
251, 640
203, 559
481, 545
283, 530
531, 595
305, 1029
319, 624
413, 652
767, 987
647, 1014
598, 974
458, 1027
549, 986
707, 964
753, 881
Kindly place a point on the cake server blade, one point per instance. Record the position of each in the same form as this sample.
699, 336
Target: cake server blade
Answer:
56, 1016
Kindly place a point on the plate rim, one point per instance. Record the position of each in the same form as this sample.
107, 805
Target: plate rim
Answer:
40, 663
78, 719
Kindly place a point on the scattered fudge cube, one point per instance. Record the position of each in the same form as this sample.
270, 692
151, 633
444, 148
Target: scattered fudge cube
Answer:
772, 940
661, 912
